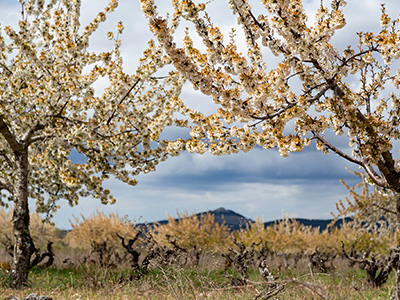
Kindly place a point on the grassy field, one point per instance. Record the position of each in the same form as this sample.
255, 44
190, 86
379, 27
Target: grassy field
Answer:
202, 282
196, 258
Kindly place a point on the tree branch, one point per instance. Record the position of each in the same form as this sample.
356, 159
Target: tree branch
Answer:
122, 100
6, 186
292, 104
385, 209
379, 180
27, 139
6, 68
336, 150
39, 138
277, 113
392, 178
10, 138
7, 159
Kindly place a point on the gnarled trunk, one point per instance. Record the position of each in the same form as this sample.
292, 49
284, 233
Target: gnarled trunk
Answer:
23, 244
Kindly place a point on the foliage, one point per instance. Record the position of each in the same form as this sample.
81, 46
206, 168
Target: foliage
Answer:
192, 231
363, 240
286, 236
99, 228
211, 276
316, 91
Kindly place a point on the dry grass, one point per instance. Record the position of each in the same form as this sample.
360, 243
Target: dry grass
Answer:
41, 232
191, 231
199, 283
97, 229
205, 281
290, 237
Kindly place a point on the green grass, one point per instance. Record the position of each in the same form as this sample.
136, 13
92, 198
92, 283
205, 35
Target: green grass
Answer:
94, 283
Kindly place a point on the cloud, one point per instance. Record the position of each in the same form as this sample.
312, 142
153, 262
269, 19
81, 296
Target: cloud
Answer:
151, 201
256, 183
253, 166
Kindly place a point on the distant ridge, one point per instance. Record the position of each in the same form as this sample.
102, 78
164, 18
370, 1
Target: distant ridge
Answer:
236, 221
230, 218
322, 224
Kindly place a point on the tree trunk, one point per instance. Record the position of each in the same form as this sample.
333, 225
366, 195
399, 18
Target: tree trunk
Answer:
23, 243
395, 256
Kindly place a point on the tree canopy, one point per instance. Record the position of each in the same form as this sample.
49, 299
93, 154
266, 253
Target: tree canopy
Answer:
305, 98
70, 117
50, 106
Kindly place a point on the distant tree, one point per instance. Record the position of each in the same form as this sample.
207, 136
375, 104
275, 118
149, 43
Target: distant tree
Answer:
304, 98
97, 229
59, 138
370, 210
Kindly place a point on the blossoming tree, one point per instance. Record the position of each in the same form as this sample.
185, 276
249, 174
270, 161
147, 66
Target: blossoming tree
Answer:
306, 96
50, 114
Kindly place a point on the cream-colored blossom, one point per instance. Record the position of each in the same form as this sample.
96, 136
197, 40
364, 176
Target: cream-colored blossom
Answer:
302, 98
53, 109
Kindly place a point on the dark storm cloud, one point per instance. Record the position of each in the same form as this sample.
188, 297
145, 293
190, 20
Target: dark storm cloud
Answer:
258, 165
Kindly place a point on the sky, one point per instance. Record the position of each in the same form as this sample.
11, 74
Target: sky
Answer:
259, 183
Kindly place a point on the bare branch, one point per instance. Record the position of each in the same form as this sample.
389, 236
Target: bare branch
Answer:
336, 150
320, 93
313, 88
122, 100
39, 138
6, 68
392, 178
379, 180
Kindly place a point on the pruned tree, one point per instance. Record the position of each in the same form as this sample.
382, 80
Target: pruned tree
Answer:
59, 137
377, 268
306, 97
193, 232
319, 260
240, 259
134, 254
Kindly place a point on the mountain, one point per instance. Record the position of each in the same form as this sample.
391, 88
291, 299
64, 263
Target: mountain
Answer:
230, 218
236, 221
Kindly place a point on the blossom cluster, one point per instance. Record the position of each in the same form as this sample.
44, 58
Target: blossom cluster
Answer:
51, 109
264, 106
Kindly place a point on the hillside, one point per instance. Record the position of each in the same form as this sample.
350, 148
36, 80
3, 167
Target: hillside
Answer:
236, 221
